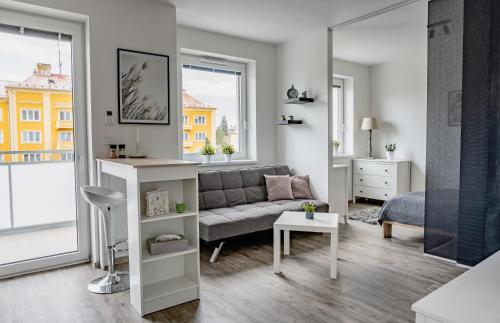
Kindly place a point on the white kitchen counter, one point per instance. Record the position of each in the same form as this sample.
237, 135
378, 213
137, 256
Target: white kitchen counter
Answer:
472, 297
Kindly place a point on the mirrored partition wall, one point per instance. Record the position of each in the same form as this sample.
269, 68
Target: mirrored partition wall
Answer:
444, 95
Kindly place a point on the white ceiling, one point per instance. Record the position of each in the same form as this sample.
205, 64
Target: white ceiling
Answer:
385, 37
369, 42
272, 21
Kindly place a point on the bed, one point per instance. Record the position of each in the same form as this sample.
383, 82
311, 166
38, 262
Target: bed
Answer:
405, 209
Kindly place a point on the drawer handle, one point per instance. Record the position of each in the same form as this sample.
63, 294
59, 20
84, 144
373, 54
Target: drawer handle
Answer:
385, 194
387, 171
386, 183
361, 168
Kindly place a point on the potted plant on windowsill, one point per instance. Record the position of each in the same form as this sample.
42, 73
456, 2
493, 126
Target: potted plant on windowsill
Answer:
390, 151
336, 145
309, 208
228, 151
207, 151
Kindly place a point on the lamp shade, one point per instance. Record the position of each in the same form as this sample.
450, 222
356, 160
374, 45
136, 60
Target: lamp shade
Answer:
369, 123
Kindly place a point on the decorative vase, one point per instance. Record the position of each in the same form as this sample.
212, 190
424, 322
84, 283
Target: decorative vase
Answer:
309, 215
227, 157
335, 150
390, 155
207, 158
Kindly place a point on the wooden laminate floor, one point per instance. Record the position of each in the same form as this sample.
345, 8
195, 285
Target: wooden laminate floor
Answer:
378, 281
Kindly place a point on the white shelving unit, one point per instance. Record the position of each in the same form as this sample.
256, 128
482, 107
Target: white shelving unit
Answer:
160, 281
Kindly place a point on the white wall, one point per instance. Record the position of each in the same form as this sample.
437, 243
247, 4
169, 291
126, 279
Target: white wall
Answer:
148, 26
305, 62
261, 79
399, 100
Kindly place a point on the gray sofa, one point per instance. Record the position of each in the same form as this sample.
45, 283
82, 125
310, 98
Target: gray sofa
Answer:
234, 203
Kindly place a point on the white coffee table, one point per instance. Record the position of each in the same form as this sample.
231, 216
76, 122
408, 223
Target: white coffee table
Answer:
296, 221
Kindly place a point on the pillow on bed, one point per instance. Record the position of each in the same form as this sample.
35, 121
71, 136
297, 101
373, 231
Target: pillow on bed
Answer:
279, 187
300, 187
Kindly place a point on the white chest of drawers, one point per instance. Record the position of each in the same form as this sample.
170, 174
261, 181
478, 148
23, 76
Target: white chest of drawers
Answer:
379, 179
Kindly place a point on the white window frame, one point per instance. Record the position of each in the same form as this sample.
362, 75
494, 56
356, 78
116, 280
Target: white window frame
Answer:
32, 157
197, 136
340, 118
34, 112
30, 16
230, 65
69, 113
200, 120
27, 134
65, 136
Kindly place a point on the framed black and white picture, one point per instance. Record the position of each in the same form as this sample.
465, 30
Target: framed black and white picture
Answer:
143, 88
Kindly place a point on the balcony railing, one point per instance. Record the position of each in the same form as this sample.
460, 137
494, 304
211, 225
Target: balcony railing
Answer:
37, 189
64, 144
187, 126
64, 124
187, 143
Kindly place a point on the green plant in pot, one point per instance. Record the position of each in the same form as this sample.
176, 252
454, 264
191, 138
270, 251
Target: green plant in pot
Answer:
336, 145
309, 208
390, 151
207, 151
228, 151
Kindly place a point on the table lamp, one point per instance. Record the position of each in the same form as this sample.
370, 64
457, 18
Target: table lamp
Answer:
370, 123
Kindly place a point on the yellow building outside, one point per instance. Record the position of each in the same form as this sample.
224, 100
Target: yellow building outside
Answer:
36, 117
198, 123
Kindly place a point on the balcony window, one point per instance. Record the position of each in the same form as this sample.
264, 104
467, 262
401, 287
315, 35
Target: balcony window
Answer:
200, 120
200, 136
65, 136
30, 115
65, 116
31, 158
214, 98
186, 119
31, 137
185, 136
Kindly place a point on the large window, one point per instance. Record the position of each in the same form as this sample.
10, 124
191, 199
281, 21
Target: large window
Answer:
213, 99
30, 115
338, 112
31, 137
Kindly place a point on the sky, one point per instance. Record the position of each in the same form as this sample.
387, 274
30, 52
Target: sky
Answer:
215, 89
19, 55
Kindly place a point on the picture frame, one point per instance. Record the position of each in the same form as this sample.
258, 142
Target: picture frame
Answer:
143, 87
157, 203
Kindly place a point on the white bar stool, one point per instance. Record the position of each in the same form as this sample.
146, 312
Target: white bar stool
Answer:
104, 199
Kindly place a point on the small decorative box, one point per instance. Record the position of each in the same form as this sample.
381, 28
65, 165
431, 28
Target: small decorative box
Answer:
158, 248
157, 203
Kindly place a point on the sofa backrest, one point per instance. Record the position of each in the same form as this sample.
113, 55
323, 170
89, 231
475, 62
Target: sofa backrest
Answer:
226, 188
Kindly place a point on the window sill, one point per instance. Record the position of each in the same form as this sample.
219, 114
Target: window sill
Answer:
233, 162
342, 156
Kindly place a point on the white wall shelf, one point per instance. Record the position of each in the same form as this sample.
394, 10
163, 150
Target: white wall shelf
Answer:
160, 281
169, 216
147, 257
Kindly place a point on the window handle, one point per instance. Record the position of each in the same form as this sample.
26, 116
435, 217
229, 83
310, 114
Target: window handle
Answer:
386, 183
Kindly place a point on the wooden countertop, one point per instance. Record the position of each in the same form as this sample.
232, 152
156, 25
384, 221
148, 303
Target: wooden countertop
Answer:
148, 162
473, 296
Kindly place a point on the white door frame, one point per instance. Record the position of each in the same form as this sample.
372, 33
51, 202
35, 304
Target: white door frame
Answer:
41, 18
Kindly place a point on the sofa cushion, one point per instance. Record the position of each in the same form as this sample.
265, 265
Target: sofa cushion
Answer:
265, 171
210, 181
231, 179
221, 223
256, 194
282, 170
201, 202
251, 177
300, 187
235, 196
214, 199
278, 187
